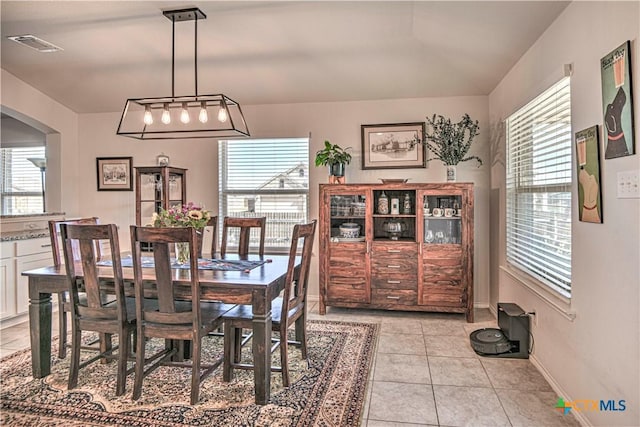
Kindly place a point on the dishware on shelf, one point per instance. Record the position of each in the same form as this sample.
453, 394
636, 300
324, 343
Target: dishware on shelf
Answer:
439, 237
394, 228
437, 212
448, 212
383, 204
349, 230
428, 236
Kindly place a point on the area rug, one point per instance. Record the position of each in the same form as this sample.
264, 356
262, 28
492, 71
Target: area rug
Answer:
329, 391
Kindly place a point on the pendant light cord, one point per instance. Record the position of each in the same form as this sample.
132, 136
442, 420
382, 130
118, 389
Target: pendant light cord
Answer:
173, 56
195, 55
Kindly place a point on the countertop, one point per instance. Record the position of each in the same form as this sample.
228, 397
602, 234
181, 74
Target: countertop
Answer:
23, 235
32, 215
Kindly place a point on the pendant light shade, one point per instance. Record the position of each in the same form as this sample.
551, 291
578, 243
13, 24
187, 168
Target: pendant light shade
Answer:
183, 117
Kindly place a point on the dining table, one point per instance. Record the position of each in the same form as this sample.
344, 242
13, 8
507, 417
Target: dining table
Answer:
255, 286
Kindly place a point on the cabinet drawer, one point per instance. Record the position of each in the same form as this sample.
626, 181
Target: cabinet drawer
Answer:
391, 282
386, 250
394, 296
33, 246
394, 265
343, 291
7, 249
444, 293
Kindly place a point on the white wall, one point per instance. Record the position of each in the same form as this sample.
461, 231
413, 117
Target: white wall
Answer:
60, 124
596, 355
337, 122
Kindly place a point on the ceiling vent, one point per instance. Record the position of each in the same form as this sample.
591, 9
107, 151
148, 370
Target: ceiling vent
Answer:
35, 43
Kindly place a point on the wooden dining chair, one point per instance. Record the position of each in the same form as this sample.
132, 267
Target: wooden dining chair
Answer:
286, 310
173, 318
245, 225
63, 300
91, 312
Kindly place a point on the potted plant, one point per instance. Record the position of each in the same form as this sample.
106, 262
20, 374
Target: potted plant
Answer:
450, 142
336, 158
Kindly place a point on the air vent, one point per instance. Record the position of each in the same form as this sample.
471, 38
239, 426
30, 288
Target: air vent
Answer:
35, 43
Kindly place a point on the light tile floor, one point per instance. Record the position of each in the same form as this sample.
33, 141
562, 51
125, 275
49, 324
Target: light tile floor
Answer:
426, 374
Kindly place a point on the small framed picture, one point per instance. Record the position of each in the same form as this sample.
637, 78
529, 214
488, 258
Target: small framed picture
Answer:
162, 160
114, 173
393, 146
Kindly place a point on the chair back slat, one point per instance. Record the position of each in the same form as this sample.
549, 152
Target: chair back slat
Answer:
88, 238
245, 225
56, 243
213, 223
161, 240
295, 291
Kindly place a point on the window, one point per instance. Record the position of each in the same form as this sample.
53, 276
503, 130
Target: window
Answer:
21, 181
266, 177
539, 188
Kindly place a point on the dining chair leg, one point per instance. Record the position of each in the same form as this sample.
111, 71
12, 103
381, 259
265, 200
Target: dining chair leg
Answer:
237, 340
75, 358
284, 347
139, 371
123, 356
195, 370
105, 345
62, 326
303, 337
229, 352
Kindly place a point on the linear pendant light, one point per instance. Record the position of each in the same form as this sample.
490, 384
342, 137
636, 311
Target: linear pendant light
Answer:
183, 117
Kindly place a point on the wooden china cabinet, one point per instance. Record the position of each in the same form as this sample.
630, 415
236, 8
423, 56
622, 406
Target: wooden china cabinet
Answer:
158, 187
413, 250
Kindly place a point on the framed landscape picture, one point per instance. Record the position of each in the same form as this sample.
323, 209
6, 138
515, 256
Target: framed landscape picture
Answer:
114, 173
393, 146
617, 102
588, 164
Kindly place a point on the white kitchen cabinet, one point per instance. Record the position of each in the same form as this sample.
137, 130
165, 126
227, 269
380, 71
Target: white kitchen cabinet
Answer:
16, 257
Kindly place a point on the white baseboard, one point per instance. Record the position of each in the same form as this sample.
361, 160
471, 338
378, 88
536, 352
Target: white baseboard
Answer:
559, 391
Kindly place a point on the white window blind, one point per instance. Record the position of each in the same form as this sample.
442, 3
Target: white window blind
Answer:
266, 177
539, 188
21, 183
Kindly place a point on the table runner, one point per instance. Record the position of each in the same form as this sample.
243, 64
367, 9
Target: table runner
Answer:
203, 264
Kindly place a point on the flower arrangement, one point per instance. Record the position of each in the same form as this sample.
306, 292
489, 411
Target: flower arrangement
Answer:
188, 215
450, 142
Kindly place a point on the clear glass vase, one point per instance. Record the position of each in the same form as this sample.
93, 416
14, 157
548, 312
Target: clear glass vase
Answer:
182, 253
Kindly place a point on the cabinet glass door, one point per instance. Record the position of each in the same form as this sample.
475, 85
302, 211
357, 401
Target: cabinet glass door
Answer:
347, 215
442, 216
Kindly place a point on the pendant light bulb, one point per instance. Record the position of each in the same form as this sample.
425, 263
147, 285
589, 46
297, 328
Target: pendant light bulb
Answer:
222, 115
184, 115
148, 118
166, 116
204, 116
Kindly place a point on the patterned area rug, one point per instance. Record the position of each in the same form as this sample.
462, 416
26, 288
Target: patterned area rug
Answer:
330, 391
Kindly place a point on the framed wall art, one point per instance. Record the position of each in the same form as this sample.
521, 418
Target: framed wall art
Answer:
114, 173
617, 102
393, 146
588, 164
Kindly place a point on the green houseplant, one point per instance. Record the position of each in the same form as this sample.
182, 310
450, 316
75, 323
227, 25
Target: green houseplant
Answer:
335, 157
450, 142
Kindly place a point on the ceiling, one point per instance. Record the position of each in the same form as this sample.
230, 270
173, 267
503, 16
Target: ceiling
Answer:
267, 52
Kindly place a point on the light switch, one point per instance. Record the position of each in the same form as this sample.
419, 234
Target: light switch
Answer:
629, 185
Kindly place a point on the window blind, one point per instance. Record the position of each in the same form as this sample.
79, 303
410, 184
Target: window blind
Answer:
21, 181
265, 177
539, 188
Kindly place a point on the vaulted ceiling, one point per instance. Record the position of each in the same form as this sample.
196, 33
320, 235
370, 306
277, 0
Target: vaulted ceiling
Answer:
266, 52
